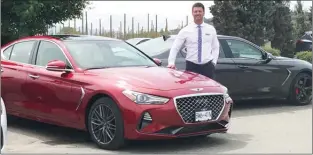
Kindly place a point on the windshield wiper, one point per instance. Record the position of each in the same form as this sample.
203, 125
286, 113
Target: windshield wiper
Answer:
96, 68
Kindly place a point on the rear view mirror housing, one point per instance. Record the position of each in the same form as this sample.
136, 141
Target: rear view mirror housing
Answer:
57, 65
157, 61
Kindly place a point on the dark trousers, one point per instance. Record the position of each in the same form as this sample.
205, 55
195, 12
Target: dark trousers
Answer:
207, 69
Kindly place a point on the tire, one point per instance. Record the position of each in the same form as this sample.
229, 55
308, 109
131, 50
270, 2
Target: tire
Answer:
117, 140
2, 139
295, 91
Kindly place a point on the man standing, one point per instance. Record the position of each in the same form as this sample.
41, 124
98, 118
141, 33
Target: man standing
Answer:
200, 40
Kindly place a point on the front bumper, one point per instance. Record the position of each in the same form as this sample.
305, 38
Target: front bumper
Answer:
165, 122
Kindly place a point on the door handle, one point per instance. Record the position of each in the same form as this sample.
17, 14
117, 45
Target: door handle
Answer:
33, 76
243, 67
1, 70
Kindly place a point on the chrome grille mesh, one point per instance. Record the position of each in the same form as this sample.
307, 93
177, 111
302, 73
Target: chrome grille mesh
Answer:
187, 106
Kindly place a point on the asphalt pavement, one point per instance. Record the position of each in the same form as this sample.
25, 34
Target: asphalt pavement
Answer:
256, 127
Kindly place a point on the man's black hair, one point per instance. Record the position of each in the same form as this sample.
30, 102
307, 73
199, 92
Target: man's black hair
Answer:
198, 5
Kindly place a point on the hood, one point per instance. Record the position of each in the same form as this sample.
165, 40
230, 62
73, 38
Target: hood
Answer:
283, 58
294, 61
289, 59
155, 77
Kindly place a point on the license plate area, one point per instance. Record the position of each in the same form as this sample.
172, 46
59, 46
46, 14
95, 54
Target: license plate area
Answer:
202, 115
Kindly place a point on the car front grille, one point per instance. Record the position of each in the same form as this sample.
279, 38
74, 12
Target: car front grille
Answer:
187, 106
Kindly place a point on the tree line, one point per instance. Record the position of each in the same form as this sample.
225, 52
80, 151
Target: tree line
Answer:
262, 21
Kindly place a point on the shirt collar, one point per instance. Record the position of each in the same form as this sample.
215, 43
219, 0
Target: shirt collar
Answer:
196, 25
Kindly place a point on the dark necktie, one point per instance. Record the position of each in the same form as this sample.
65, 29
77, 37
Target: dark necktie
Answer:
199, 43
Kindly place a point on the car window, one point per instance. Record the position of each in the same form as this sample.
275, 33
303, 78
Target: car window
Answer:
307, 36
123, 52
48, 51
159, 48
106, 53
21, 51
7, 52
155, 46
222, 54
241, 49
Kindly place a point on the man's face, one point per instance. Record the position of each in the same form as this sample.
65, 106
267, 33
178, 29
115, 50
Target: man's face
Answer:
197, 13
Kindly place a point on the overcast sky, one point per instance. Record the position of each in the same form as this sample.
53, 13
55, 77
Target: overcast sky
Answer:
174, 11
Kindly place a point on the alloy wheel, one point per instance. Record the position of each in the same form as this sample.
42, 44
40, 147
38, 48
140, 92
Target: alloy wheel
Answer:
303, 89
103, 124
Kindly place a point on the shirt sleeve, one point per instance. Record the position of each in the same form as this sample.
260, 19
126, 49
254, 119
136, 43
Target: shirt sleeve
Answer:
179, 41
215, 46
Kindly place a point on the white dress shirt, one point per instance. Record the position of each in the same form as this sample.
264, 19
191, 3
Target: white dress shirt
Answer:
188, 37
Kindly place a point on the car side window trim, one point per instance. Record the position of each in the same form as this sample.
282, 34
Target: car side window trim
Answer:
255, 46
36, 54
17, 42
2, 52
225, 48
244, 41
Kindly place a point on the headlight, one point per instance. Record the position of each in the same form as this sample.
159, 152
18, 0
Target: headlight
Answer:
141, 98
226, 95
225, 90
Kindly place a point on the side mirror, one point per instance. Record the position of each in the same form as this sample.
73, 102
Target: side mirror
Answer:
157, 61
165, 37
267, 57
57, 65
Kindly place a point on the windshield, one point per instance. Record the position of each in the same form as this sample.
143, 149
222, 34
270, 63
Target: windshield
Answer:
155, 46
104, 54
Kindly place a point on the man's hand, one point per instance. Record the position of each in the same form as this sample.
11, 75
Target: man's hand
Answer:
171, 66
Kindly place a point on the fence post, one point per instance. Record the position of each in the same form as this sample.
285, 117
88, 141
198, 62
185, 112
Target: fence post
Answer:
138, 30
186, 20
121, 30
148, 24
166, 25
156, 25
133, 35
99, 27
86, 23
82, 23
75, 24
125, 26
91, 28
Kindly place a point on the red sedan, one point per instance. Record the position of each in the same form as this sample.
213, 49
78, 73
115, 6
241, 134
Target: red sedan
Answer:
108, 88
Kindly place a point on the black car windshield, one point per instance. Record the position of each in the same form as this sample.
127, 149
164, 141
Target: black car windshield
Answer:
105, 54
155, 46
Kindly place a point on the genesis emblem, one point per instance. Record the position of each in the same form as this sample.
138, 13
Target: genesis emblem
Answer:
197, 89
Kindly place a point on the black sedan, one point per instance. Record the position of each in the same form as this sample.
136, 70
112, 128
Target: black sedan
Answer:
304, 43
248, 71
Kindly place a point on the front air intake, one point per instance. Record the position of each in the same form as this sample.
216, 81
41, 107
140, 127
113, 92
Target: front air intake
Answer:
145, 120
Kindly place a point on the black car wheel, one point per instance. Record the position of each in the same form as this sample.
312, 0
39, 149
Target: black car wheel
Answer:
301, 90
105, 124
2, 138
